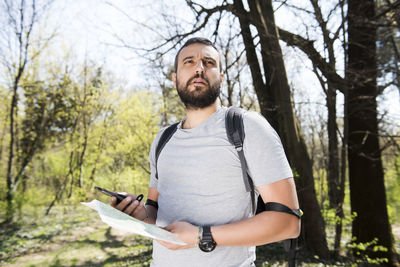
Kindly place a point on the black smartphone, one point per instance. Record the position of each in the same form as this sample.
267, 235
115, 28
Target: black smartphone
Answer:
119, 197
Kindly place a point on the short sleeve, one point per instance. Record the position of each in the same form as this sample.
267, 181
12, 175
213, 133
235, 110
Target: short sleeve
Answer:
265, 156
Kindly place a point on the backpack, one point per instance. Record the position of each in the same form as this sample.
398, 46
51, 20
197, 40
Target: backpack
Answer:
235, 133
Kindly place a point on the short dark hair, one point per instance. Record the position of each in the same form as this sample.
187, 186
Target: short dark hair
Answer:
196, 40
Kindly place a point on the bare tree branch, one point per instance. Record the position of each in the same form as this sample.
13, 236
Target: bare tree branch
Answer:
308, 48
129, 17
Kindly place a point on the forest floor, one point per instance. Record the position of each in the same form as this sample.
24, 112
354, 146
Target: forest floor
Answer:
75, 236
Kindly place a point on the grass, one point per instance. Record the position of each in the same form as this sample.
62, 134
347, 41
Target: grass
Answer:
70, 237
75, 236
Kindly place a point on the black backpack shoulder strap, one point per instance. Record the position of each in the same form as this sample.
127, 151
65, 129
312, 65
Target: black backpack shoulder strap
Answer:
235, 132
165, 137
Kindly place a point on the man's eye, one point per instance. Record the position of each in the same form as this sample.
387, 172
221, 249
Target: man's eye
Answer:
209, 62
188, 61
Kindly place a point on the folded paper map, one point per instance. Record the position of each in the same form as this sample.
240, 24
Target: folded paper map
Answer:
122, 221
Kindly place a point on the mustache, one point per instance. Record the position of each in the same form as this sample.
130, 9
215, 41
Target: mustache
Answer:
198, 76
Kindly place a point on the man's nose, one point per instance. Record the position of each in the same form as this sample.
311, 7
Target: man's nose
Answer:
200, 67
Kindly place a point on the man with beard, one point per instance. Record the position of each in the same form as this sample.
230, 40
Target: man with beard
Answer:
199, 193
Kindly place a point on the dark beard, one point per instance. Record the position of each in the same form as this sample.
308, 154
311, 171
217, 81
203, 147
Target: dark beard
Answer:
200, 97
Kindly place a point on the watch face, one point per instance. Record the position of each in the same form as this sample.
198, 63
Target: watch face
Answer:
207, 246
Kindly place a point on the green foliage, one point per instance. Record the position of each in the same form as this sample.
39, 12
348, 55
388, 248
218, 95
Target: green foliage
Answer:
360, 251
4, 105
172, 109
129, 133
75, 130
47, 111
392, 184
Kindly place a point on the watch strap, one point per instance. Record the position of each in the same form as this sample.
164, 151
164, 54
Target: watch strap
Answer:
207, 236
152, 203
206, 242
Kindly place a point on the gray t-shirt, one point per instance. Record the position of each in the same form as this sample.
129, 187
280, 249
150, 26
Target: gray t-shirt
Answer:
200, 182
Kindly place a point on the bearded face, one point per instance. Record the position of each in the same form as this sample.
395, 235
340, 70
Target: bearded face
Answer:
200, 96
198, 78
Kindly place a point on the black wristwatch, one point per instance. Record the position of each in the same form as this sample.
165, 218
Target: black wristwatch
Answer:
206, 242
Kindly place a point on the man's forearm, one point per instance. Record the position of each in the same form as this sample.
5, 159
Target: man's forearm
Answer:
266, 227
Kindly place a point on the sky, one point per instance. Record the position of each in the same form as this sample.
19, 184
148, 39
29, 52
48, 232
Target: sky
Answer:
91, 28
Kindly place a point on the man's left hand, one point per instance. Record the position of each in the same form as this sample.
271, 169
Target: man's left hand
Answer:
186, 232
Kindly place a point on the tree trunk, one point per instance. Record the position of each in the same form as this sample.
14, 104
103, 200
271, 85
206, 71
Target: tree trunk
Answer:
262, 90
367, 190
333, 159
342, 179
11, 186
9, 175
277, 89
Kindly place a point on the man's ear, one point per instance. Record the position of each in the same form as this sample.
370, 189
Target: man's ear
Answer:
221, 79
174, 79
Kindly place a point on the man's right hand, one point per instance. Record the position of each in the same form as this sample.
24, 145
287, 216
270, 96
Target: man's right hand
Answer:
135, 209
